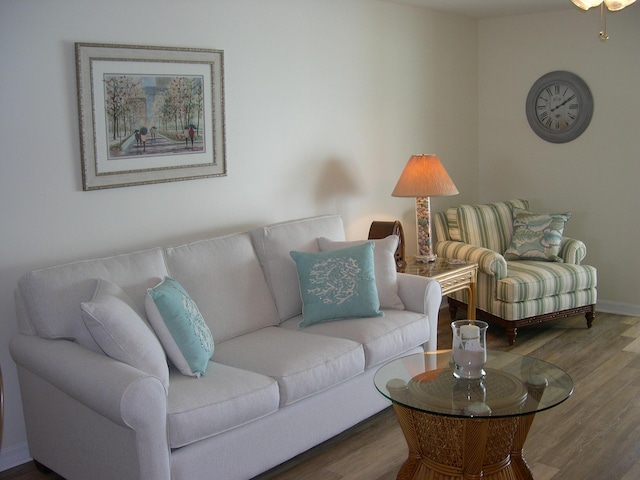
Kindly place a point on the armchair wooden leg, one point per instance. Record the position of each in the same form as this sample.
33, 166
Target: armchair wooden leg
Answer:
511, 334
590, 315
453, 309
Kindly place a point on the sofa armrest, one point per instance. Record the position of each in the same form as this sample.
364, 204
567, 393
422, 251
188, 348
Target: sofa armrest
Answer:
489, 262
422, 295
109, 388
572, 250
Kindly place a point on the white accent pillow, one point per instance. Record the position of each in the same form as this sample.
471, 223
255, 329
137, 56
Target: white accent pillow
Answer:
122, 333
384, 266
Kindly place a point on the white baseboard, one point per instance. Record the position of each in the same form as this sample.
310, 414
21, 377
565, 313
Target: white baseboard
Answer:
618, 308
14, 455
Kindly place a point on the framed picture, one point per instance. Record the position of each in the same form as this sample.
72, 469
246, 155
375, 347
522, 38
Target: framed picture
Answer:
149, 114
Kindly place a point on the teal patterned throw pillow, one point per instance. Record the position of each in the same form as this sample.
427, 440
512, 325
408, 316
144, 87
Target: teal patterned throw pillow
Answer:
536, 236
180, 327
337, 284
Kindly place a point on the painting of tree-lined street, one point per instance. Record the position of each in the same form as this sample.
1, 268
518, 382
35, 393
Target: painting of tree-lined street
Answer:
153, 115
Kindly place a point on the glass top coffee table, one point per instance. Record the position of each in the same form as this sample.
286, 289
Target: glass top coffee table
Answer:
469, 429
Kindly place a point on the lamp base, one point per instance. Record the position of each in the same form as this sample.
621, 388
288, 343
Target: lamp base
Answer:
426, 258
423, 229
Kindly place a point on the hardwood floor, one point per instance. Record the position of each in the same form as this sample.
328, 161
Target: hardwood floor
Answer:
594, 435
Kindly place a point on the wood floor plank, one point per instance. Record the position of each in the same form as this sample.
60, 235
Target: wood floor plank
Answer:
633, 473
543, 472
629, 320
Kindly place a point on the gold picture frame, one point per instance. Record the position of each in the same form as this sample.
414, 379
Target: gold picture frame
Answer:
149, 114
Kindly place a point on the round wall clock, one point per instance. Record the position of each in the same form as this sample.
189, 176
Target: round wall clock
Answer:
559, 107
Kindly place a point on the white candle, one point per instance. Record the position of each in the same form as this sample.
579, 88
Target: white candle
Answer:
478, 408
469, 332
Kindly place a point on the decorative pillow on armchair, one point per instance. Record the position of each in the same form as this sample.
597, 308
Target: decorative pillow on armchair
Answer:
337, 284
536, 236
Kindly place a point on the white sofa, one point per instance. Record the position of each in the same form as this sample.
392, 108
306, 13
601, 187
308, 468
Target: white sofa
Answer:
271, 390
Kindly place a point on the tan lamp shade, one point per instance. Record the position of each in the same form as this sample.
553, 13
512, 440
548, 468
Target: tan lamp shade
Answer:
424, 176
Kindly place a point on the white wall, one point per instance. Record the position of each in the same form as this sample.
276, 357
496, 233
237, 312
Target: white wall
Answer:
319, 94
596, 176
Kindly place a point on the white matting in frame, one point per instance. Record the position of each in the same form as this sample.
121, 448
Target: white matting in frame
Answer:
149, 114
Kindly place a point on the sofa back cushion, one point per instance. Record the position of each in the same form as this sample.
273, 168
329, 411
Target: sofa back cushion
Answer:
273, 244
223, 277
489, 226
51, 297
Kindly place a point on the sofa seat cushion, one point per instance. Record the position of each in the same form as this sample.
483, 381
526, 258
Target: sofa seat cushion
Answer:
532, 280
382, 338
302, 363
222, 399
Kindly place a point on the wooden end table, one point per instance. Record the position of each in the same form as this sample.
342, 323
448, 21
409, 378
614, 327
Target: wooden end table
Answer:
459, 429
452, 276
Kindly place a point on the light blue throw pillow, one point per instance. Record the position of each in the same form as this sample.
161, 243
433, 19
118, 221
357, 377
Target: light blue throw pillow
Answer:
180, 327
337, 284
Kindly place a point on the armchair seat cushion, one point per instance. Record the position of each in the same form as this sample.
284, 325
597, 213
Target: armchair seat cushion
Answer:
542, 309
532, 280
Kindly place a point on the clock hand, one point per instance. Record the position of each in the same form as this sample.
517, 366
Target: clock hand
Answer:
563, 103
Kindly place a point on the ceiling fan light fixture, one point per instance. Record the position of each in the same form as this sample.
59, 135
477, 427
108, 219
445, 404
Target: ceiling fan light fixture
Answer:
615, 5
586, 4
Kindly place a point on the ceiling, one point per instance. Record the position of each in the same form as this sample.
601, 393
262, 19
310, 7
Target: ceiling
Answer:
491, 8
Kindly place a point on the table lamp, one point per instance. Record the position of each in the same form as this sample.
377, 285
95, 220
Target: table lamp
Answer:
424, 177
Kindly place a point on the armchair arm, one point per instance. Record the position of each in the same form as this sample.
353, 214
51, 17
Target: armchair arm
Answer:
422, 295
572, 250
109, 389
489, 262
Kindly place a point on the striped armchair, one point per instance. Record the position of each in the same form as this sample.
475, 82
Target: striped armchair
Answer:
514, 293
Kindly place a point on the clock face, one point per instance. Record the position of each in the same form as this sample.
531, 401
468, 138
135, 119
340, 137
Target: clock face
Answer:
559, 107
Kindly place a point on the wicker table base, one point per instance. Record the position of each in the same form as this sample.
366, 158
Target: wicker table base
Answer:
451, 448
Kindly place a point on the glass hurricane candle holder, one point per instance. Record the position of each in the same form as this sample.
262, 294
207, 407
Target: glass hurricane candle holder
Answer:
469, 348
